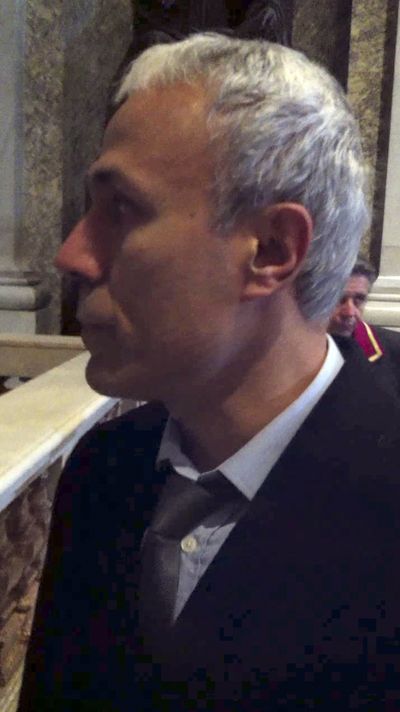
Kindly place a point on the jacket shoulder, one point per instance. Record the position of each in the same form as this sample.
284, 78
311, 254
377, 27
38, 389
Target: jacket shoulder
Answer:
144, 422
111, 451
388, 337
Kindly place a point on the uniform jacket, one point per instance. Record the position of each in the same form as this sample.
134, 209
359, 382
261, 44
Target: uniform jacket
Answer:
382, 348
299, 610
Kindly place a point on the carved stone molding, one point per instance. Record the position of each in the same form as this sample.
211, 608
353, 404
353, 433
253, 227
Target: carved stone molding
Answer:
24, 302
22, 291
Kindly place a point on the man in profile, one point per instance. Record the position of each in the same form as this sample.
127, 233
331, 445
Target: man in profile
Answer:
234, 542
381, 346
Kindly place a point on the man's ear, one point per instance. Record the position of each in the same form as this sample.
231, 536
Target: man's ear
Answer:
281, 234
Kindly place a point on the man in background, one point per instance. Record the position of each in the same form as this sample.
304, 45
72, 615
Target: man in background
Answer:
381, 346
234, 542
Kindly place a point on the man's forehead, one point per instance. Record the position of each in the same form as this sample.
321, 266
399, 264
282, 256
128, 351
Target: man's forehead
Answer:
357, 284
162, 134
174, 108
158, 141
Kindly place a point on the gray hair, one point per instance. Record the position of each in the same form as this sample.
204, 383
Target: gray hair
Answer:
283, 132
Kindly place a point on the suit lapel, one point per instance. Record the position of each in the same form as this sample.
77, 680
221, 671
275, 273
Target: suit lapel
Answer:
314, 500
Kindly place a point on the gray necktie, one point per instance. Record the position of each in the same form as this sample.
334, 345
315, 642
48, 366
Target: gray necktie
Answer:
182, 507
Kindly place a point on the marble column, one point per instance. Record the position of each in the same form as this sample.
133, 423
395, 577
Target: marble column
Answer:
58, 61
370, 86
390, 255
374, 74
22, 296
321, 29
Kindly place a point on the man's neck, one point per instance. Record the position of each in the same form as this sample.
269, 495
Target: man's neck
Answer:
213, 427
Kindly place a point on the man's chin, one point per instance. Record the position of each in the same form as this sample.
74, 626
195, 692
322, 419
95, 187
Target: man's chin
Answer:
340, 330
348, 333
103, 380
100, 381
111, 381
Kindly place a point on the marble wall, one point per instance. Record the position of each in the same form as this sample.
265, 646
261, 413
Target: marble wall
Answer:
98, 34
24, 527
321, 29
63, 59
22, 297
390, 253
370, 88
11, 68
42, 112
356, 39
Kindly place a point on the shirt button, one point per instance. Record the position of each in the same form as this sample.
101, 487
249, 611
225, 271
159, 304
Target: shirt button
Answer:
189, 544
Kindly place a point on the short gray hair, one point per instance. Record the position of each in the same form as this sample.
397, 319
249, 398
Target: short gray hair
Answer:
284, 132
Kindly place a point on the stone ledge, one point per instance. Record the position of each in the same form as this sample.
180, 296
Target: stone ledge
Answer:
22, 291
42, 420
29, 355
383, 307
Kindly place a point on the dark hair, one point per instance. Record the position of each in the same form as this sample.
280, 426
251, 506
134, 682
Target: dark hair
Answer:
364, 269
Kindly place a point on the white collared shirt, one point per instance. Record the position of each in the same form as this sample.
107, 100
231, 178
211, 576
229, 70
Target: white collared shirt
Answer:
246, 469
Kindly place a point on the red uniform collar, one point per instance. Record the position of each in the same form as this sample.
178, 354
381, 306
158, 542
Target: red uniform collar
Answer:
368, 340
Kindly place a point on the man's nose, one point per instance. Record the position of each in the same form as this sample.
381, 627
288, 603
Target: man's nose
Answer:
349, 308
77, 254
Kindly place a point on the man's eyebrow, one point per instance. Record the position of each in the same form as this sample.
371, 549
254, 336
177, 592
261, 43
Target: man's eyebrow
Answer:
116, 179
353, 295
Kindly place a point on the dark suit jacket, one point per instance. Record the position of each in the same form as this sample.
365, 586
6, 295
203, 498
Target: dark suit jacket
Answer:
388, 366
299, 610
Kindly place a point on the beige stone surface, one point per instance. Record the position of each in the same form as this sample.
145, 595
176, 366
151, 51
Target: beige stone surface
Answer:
12, 647
42, 118
321, 29
98, 34
30, 355
372, 48
10, 694
42, 420
72, 52
390, 253
24, 527
355, 40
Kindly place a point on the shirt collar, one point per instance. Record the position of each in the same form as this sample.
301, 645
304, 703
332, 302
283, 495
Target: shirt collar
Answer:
249, 466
